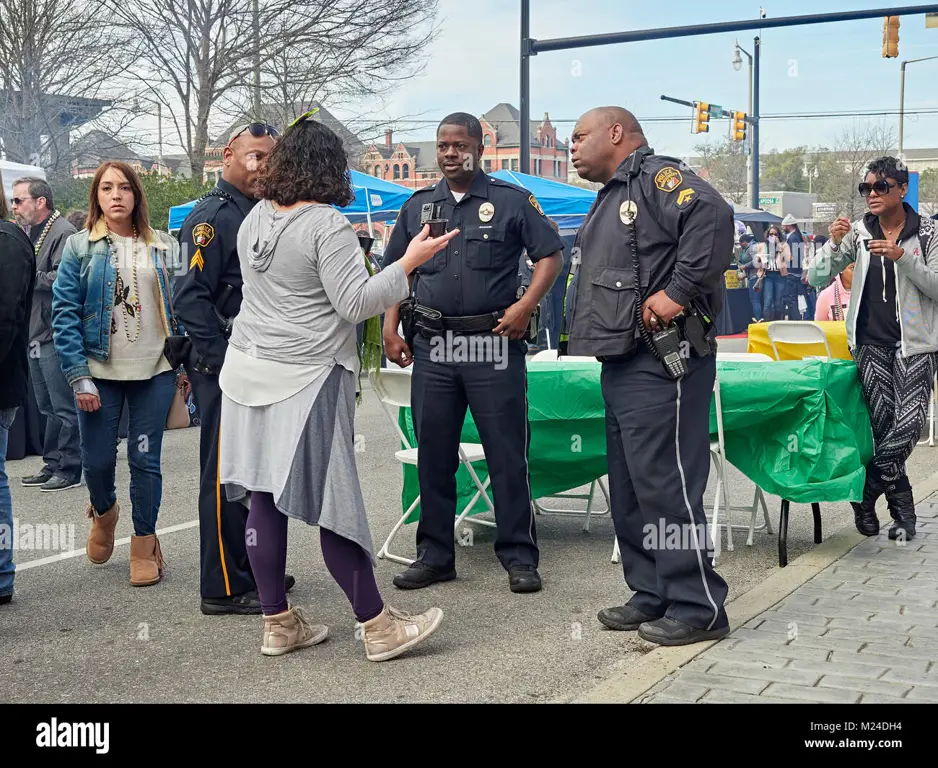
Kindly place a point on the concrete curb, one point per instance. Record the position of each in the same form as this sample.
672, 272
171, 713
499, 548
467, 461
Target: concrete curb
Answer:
628, 685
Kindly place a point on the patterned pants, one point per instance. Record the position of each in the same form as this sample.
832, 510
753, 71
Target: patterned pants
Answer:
896, 390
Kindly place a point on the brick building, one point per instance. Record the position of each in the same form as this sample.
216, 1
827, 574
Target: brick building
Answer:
413, 164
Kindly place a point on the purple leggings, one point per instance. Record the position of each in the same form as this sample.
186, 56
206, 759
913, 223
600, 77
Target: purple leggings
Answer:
348, 563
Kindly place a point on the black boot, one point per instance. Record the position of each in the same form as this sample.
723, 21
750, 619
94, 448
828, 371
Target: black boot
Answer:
864, 513
901, 508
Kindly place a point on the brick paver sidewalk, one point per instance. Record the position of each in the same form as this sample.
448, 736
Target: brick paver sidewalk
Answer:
864, 630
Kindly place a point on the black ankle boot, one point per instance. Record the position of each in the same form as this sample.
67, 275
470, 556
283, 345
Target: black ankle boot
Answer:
864, 512
902, 509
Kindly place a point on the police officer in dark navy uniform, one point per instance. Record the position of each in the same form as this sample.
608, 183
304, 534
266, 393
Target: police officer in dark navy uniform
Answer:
656, 220
467, 298
209, 297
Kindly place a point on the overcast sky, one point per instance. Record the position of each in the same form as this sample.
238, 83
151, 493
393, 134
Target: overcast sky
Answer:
473, 65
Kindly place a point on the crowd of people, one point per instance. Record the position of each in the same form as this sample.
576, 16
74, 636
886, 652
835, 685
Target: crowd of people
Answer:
271, 323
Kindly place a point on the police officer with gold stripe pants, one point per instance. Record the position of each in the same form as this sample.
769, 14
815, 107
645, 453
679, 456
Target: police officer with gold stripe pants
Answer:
209, 297
650, 259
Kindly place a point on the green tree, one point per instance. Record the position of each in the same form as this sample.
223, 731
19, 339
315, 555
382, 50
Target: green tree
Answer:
928, 192
783, 171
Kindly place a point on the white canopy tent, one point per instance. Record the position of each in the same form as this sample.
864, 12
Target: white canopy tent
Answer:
13, 171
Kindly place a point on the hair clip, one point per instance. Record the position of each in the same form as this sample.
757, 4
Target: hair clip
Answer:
304, 116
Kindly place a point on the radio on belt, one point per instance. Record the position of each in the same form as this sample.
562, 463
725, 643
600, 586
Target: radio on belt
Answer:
667, 343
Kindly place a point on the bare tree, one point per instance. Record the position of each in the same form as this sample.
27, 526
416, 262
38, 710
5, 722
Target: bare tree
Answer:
843, 167
725, 168
208, 59
59, 69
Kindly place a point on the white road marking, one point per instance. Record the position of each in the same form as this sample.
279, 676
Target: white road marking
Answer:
80, 552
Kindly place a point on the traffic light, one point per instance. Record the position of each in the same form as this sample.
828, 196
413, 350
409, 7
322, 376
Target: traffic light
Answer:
739, 126
701, 117
890, 37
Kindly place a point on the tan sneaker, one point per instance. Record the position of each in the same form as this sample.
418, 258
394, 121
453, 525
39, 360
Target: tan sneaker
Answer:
290, 631
393, 632
100, 543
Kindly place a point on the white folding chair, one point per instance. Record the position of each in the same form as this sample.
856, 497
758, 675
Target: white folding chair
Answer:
393, 391
797, 332
727, 344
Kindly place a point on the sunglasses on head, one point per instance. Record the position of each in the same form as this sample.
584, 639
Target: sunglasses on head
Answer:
256, 130
881, 187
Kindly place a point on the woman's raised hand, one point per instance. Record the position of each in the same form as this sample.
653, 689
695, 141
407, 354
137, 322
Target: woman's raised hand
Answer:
423, 248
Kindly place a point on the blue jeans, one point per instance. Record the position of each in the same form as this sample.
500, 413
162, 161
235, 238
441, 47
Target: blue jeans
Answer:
62, 443
773, 296
148, 405
7, 569
755, 298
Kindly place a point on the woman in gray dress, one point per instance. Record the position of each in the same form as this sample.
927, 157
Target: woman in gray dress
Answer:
289, 386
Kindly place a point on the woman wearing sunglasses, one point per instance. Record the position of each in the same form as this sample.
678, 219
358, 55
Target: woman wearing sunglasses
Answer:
772, 259
892, 330
289, 386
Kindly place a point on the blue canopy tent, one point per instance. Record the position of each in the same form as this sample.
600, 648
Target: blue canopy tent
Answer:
375, 200
564, 203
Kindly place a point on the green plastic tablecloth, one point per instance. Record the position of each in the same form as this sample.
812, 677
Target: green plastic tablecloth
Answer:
799, 429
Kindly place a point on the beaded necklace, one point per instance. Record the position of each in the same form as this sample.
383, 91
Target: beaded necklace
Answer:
124, 296
45, 231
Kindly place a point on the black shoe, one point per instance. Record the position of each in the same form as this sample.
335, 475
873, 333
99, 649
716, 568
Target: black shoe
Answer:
4, 599
902, 509
419, 576
624, 618
288, 583
242, 605
864, 512
524, 578
43, 477
59, 484
668, 631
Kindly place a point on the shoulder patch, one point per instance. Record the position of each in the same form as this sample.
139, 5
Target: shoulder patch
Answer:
537, 206
685, 197
203, 234
668, 179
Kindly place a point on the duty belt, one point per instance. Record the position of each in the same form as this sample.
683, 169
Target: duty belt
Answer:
465, 324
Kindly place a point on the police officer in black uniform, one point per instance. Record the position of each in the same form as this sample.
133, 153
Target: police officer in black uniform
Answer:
207, 300
471, 289
658, 350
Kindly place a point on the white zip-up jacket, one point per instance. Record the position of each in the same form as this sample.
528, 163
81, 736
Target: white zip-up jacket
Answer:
916, 278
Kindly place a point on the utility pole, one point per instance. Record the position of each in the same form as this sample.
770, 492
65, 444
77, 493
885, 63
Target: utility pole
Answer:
902, 95
257, 61
756, 54
524, 131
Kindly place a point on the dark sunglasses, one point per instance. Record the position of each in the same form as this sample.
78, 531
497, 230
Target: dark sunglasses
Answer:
882, 187
21, 200
256, 130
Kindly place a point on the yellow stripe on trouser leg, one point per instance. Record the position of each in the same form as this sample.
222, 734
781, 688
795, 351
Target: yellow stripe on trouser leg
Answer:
221, 547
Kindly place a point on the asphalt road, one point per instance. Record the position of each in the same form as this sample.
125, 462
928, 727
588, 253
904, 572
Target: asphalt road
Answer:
80, 633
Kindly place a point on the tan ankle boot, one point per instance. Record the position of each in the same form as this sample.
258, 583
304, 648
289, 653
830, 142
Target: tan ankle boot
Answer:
101, 537
146, 560
394, 632
290, 631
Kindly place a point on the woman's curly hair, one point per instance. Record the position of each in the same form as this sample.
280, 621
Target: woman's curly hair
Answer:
308, 163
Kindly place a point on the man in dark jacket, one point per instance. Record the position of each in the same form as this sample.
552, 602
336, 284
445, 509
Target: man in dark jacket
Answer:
35, 212
18, 267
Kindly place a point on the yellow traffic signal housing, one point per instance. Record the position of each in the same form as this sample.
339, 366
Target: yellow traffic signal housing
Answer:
739, 126
891, 37
701, 117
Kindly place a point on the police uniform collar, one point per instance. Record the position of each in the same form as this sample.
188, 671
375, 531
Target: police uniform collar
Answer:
99, 232
478, 188
631, 166
242, 200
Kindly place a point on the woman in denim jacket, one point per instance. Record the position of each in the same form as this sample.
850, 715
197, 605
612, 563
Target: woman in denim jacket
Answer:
111, 314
